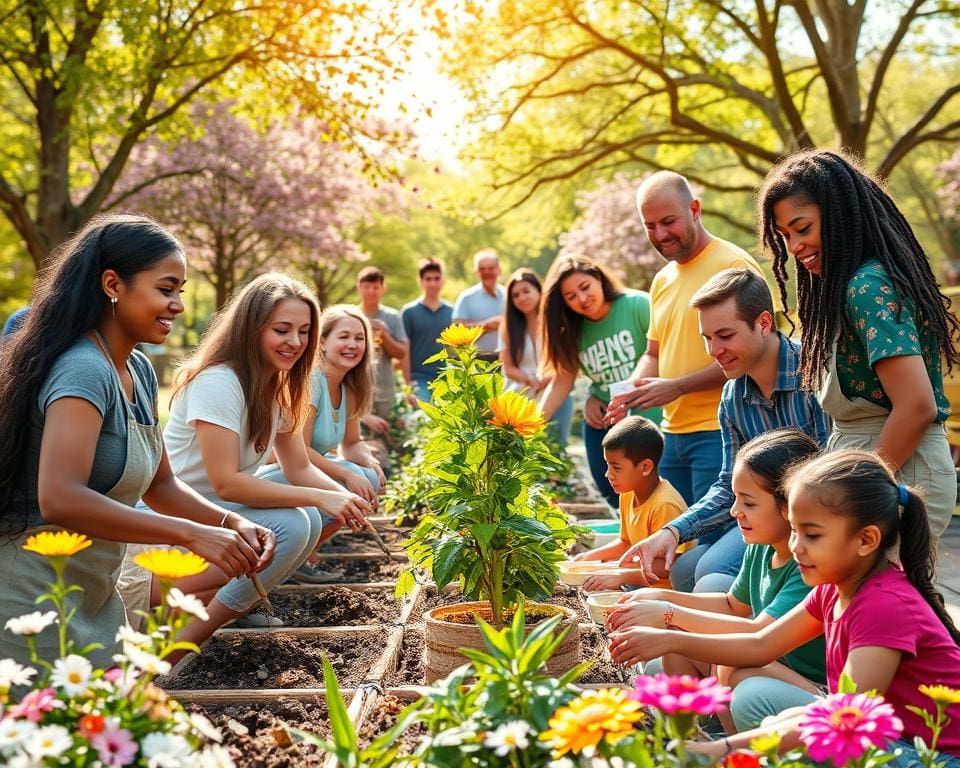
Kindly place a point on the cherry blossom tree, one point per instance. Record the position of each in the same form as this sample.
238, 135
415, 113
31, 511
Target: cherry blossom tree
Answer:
245, 201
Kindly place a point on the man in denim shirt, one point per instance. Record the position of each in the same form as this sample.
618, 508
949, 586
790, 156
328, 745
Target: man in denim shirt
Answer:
762, 393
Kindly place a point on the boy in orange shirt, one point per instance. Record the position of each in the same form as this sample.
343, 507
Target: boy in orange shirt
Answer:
632, 450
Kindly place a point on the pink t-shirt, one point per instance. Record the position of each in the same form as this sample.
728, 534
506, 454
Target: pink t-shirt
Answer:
888, 612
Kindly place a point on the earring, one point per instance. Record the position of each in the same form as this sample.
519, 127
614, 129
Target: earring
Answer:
113, 306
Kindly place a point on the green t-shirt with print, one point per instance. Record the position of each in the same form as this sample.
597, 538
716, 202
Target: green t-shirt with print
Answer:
876, 333
777, 591
611, 348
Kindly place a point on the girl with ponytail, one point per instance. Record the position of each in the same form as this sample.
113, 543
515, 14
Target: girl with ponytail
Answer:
884, 623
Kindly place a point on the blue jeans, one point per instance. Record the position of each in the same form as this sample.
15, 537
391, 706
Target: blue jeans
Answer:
692, 462
711, 566
559, 426
420, 388
593, 445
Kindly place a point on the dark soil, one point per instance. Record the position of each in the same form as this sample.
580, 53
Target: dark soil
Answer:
356, 542
335, 607
259, 746
593, 647
410, 662
382, 717
279, 661
364, 571
568, 597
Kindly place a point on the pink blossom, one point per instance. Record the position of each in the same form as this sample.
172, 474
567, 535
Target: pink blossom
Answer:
34, 704
681, 694
113, 674
845, 725
115, 745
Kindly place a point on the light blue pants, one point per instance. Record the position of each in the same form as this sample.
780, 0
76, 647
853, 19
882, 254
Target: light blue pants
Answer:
709, 567
366, 472
559, 426
758, 697
421, 388
297, 530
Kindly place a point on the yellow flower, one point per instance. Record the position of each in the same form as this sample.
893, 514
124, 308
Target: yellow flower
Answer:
59, 544
458, 335
941, 694
511, 409
591, 717
766, 743
170, 563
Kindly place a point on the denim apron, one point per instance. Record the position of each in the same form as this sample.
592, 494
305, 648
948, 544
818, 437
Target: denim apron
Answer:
857, 424
99, 608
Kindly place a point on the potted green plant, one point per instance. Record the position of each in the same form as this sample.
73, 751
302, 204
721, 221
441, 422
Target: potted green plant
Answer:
491, 524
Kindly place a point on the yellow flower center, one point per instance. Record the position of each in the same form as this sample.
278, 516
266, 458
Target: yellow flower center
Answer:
74, 677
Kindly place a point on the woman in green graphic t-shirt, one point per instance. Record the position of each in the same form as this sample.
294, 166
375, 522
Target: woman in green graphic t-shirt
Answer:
591, 323
874, 323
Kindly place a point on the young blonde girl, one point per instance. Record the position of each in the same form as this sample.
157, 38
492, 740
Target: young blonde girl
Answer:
768, 586
342, 393
243, 393
884, 624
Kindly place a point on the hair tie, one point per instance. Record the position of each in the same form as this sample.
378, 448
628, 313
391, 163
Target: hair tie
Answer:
904, 494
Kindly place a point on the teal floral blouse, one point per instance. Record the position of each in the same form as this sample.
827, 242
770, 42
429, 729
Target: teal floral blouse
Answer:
876, 334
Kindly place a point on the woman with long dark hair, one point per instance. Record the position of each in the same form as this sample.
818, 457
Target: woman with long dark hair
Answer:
591, 323
874, 323
80, 442
521, 347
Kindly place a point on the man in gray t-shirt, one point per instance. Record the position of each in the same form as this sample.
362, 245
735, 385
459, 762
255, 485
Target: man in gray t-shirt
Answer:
483, 304
389, 337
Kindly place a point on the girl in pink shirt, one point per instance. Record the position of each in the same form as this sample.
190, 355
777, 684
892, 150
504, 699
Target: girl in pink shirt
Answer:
885, 626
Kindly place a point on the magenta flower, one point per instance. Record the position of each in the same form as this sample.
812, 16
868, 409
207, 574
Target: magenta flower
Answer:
115, 746
845, 725
681, 694
34, 704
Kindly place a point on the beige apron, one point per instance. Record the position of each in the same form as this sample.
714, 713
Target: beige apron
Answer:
99, 609
857, 424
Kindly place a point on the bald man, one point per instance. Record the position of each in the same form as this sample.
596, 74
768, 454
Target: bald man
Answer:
676, 372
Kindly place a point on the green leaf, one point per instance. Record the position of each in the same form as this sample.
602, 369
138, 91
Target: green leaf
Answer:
446, 560
344, 735
526, 526
405, 583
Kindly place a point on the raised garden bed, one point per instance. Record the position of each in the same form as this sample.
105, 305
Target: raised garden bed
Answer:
255, 734
275, 659
362, 542
364, 570
335, 606
593, 647
569, 597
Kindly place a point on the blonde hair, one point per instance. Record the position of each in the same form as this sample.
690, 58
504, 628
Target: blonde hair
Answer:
233, 340
359, 379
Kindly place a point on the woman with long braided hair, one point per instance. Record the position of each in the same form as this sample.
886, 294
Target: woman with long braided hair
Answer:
874, 324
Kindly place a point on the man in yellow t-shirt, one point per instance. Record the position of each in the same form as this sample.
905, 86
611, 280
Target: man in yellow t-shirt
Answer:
676, 372
632, 450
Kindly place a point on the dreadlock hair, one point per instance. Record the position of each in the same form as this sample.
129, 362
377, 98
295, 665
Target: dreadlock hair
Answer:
859, 486
858, 222
560, 325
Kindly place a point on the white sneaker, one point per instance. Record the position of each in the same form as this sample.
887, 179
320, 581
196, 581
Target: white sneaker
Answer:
257, 619
311, 574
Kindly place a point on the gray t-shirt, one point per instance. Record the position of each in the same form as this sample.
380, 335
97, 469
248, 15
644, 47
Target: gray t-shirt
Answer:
384, 383
83, 371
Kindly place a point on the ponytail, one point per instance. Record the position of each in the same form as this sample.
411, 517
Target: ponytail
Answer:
918, 557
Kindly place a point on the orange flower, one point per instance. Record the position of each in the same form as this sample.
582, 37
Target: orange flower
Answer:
511, 410
57, 544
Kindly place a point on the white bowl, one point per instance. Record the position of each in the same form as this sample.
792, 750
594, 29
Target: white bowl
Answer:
575, 572
599, 605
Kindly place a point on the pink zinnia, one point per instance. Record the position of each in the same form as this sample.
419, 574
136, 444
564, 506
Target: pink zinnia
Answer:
115, 746
34, 704
845, 725
681, 694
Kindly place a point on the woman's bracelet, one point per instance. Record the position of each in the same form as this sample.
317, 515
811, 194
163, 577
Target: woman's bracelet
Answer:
726, 743
223, 520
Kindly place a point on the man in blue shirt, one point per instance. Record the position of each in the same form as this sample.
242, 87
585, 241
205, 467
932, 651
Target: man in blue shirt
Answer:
423, 322
483, 303
762, 393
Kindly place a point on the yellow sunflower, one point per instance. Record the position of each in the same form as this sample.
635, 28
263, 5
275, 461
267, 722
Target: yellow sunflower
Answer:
458, 335
594, 715
170, 564
941, 694
513, 410
57, 544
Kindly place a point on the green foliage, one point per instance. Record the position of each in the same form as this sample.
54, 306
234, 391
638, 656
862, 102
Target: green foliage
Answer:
491, 525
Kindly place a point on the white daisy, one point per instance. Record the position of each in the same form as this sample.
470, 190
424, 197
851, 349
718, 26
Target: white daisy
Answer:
187, 603
127, 634
508, 737
146, 661
12, 674
49, 741
31, 623
72, 674
14, 732
165, 750
214, 757
205, 728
